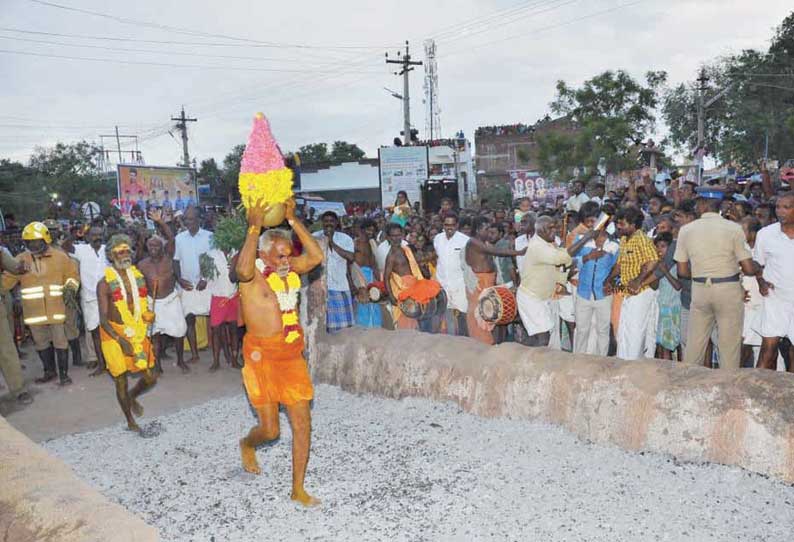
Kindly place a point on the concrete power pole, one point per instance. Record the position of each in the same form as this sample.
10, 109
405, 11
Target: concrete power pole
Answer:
701, 151
406, 63
181, 124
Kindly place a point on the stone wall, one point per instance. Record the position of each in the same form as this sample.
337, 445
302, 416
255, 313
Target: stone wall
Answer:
42, 500
743, 418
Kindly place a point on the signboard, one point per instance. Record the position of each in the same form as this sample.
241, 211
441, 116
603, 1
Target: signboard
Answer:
153, 186
402, 168
527, 184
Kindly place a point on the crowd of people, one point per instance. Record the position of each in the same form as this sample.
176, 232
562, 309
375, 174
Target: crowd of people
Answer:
697, 275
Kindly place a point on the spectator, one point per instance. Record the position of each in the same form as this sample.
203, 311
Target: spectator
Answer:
449, 246
339, 251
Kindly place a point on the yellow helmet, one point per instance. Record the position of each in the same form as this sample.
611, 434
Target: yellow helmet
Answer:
36, 230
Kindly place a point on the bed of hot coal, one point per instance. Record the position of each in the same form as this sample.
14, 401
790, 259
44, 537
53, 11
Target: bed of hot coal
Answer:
416, 470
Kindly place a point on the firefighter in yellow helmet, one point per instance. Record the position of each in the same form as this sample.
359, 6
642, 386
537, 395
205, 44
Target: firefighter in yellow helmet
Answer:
49, 273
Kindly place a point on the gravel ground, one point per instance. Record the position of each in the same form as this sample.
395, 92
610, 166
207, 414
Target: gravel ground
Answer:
416, 470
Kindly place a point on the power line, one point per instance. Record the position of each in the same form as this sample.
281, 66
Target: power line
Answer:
189, 32
535, 31
161, 52
165, 64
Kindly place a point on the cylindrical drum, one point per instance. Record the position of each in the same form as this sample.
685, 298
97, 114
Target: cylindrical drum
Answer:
497, 305
418, 311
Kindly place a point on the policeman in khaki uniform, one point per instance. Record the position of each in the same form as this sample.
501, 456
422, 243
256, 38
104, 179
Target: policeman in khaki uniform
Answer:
712, 250
49, 272
9, 358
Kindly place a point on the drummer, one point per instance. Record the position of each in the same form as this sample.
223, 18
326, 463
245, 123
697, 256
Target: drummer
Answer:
401, 272
481, 273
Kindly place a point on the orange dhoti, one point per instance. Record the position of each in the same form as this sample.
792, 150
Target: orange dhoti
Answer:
117, 363
484, 280
275, 371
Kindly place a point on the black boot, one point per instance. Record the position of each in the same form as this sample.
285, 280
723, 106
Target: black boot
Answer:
48, 360
63, 366
77, 354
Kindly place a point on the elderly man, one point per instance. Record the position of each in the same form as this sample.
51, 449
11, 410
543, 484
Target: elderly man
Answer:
540, 275
196, 298
158, 270
275, 372
49, 273
93, 262
339, 252
124, 318
449, 245
774, 251
711, 251
637, 261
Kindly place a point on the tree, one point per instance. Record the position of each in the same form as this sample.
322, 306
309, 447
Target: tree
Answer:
613, 113
342, 151
314, 153
231, 169
755, 111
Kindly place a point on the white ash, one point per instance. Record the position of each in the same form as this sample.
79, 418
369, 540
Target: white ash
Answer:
417, 470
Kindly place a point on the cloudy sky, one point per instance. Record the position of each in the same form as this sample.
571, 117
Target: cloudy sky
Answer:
76, 68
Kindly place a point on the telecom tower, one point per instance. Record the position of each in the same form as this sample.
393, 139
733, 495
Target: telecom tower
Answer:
432, 108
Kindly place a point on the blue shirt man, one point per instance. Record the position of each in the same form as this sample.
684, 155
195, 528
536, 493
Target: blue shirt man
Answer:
593, 305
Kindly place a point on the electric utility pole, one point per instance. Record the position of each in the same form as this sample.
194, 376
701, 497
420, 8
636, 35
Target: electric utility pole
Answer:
135, 155
406, 63
701, 151
181, 125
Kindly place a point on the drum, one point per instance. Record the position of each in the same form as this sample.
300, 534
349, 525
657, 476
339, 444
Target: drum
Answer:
377, 293
435, 307
497, 305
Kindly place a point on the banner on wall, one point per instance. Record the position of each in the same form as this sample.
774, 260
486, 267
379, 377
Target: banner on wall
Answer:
153, 186
402, 168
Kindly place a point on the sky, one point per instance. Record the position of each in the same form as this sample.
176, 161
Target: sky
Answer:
317, 70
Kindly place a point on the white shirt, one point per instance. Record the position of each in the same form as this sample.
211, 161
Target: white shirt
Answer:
188, 249
449, 271
92, 269
775, 251
521, 242
221, 286
575, 202
336, 265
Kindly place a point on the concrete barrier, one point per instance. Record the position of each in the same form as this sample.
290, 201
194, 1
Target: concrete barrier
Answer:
42, 500
743, 418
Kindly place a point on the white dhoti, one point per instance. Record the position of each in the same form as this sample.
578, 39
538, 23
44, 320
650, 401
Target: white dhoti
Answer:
195, 302
168, 316
635, 313
535, 313
456, 297
90, 308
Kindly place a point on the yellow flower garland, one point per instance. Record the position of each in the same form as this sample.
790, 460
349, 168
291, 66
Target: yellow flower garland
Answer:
134, 327
287, 295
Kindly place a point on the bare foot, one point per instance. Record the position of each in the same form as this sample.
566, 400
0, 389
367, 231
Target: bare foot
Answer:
214, 367
303, 498
91, 365
136, 408
98, 371
194, 359
185, 369
248, 454
132, 426
236, 364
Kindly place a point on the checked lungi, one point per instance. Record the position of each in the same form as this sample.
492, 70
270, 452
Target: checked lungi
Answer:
339, 311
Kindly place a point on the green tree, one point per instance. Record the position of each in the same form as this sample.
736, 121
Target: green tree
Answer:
231, 170
314, 153
612, 113
755, 109
342, 151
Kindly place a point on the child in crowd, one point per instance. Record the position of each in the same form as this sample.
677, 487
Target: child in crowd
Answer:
668, 330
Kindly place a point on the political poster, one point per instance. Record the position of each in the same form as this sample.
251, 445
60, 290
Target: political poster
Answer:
153, 186
402, 168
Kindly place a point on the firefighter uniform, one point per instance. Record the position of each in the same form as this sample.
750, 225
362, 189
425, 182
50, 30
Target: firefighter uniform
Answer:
43, 308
